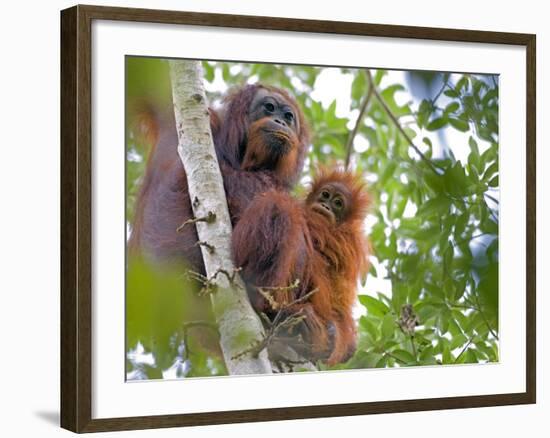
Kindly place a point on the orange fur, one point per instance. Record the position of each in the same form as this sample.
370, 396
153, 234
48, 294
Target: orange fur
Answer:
284, 239
258, 156
341, 255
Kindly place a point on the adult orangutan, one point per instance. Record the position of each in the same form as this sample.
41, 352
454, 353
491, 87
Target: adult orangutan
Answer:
319, 242
261, 138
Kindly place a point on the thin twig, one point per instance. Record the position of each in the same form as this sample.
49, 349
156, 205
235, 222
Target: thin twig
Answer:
289, 363
445, 85
469, 239
230, 276
492, 198
395, 358
277, 324
267, 293
209, 286
294, 285
464, 349
496, 201
398, 125
281, 320
358, 122
211, 249
471, 203
485, 320
209, 218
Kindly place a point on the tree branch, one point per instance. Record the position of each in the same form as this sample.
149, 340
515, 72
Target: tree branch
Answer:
238, 324
464, 349
358, 122
398, 125
492, 198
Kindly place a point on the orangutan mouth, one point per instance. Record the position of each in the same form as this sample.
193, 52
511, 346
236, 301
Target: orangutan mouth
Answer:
323, 210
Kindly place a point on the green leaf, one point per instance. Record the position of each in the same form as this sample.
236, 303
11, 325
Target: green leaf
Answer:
459, 125
451, 93
427, 310
470, 356
424, 112
436, 124
390, 91
488, 294
208, 71
374, 307
458, 341
462, 83
434, 206
473, 157
359, 86
486, 350
490, 95
404, 357
447, 356
426, 234
435, 182
388, 172
158, 300
443, 320
226, 73
494, 182
398, 207
460, 225
379, 75
388, 326
448, 254
491, 170
452, 107
369, 327
456, 181
331, 111
473, 146
409, 265
427, 354
365, 360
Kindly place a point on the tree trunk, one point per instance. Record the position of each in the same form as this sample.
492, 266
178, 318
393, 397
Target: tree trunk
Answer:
239, 326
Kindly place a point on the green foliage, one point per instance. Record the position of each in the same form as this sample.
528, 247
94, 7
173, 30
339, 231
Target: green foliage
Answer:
147, 80
440, 254
160, 306
432, 167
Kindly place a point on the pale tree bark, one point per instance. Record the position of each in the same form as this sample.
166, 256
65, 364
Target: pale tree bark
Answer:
238, 324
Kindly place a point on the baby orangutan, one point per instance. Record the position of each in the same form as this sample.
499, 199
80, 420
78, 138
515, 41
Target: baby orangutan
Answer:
318, 241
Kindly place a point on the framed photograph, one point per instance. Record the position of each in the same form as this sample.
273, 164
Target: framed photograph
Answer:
267, 218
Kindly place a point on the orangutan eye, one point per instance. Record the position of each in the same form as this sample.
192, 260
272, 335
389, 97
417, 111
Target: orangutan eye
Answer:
325, 194
338, 203
289, 116
269, 107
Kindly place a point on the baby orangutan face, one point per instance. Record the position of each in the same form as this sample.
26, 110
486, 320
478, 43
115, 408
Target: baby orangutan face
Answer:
332, 200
